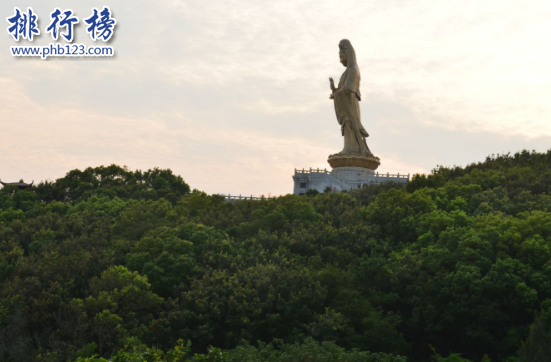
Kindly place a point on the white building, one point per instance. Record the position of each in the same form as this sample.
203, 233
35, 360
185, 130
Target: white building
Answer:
341, 178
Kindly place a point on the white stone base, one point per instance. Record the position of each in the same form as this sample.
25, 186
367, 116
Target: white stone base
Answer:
341, 178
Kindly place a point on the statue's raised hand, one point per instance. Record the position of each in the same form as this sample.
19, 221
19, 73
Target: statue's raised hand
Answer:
332, 84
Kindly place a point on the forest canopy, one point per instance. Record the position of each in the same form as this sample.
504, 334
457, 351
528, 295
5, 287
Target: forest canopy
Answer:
113, 264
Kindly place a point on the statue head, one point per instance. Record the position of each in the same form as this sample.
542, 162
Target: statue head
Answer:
342, 57
347, 54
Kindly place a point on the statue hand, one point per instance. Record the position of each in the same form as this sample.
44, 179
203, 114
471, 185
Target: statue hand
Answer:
332, 84
331, 96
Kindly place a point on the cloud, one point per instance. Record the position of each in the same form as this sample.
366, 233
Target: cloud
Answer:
233, 94
209, 159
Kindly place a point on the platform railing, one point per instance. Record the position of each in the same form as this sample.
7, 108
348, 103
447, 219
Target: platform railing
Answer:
243, 198
312, 170
325, 171
389, 175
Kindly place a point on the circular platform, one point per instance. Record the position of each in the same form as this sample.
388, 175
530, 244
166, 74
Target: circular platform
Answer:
354, 160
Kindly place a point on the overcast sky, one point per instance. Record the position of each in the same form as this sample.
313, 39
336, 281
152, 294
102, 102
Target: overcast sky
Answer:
233, 95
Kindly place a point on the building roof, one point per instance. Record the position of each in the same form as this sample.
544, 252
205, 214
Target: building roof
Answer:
21, 184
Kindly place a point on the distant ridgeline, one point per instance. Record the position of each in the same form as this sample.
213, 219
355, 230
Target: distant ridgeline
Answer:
109, 264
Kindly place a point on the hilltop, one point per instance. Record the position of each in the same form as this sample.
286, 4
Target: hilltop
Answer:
111, 262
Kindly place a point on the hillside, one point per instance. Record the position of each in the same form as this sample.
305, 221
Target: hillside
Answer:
111, 262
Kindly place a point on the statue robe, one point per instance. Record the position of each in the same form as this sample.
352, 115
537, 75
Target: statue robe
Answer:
347, 109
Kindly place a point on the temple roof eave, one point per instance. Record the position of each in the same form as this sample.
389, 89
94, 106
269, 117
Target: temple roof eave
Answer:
17, 184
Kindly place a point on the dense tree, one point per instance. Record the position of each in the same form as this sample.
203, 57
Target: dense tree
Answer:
537, 347
109, 262
114, 181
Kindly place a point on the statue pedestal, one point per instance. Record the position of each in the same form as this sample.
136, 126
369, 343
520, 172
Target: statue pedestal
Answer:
359, 160
350, 171
353, 176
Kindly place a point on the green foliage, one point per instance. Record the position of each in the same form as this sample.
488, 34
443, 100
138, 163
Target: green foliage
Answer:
309, 351
114, 181
537, 347
111, 264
